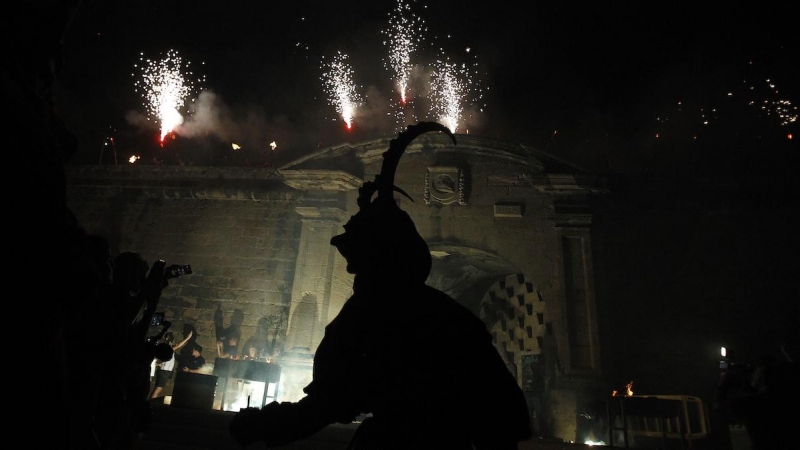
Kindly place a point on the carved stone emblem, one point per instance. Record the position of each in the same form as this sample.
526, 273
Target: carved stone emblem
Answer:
444, 185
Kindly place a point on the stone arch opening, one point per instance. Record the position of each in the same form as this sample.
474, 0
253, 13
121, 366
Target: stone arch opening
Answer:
466, 273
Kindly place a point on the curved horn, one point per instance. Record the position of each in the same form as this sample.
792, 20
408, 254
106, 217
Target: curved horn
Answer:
391, 157
384, 181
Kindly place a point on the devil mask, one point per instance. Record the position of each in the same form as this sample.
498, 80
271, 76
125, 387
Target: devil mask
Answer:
381, 239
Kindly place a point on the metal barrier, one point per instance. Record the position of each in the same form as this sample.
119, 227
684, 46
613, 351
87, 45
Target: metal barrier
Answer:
680, 417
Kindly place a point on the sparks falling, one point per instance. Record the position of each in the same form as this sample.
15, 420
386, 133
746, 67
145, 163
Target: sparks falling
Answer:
165, 89
337, 80
771, 103
405, 34
760, 95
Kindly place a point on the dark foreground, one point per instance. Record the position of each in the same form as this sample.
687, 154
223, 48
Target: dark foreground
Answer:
190, 429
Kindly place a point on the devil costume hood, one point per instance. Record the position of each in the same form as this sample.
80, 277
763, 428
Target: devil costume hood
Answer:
381, 240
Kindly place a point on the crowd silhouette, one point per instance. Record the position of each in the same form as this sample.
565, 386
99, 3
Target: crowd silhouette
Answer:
47, 241
756, 397
93, 309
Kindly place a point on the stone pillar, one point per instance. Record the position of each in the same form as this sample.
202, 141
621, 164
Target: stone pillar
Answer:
579, 339
578, 304
579, 297
311, 291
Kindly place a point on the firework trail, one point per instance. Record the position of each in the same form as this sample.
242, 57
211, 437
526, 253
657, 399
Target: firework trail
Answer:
337, 80
164, 89
404, 37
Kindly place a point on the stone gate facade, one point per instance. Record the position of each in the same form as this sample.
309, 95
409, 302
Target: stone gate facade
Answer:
508, 227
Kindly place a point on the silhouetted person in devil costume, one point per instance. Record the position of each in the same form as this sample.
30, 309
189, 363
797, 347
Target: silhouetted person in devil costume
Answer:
420, 363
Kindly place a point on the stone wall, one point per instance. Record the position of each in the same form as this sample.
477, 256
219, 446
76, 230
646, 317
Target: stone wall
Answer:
238, 232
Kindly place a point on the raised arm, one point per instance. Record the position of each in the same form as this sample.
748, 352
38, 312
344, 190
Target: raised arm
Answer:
180, 344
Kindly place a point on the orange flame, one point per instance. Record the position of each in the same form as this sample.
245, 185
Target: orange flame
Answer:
628, 390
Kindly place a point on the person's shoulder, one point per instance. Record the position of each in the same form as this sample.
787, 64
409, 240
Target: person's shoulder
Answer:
431, 294
438, 302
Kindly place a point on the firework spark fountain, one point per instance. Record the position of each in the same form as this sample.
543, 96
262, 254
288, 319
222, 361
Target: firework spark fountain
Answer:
164, 87
450, 93
449, 88
337, 80
405, 34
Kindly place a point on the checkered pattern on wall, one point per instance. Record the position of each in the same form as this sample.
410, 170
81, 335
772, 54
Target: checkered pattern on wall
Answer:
514, 312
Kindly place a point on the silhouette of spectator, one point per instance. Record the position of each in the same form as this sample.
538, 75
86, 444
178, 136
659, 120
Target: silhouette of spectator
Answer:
189, 331
733, 390
125, 411
376, 358
228, 338
47, 251
257, 347
120, 305
87, 320
130, 274
232, 346
775, 387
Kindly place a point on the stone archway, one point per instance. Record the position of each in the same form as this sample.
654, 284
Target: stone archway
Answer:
466, 273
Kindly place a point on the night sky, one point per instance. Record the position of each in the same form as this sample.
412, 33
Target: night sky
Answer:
620, 86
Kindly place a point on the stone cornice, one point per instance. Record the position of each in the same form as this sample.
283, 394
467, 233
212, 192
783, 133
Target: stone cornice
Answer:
219, 183
323, 214
320, 180
371, 152
166, 173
